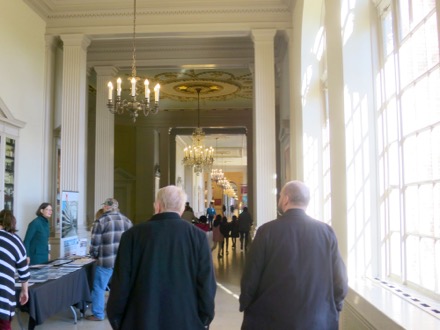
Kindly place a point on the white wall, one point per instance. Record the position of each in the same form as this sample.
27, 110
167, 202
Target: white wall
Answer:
22, 59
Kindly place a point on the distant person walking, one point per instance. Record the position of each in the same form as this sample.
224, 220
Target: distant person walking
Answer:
217, 236
225, 229
294, 276
234, 231
244, 226
210, 213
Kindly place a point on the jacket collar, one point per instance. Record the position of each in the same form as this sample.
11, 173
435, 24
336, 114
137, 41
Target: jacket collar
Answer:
165, 215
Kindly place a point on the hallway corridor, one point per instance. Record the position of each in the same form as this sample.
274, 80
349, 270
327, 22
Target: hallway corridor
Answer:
228, 272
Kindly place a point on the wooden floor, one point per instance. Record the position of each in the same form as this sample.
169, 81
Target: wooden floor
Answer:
228, 272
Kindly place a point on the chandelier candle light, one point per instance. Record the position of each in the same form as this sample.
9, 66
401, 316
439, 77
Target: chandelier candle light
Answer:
197, 155
216, 173
133, 106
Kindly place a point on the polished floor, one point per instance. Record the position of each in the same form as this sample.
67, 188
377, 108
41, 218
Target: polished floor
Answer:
228, 271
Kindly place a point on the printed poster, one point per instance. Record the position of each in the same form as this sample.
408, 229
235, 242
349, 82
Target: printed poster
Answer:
69, 223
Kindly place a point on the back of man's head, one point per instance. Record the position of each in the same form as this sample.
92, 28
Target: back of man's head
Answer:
297, 193
170, 199
111, 204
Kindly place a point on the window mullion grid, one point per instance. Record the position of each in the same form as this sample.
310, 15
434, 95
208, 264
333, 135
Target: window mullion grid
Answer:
400, 141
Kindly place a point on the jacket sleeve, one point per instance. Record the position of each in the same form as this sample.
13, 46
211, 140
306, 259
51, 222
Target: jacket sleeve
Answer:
340, 278
121, 280
253, 269
95, 241
30, 233
206, 284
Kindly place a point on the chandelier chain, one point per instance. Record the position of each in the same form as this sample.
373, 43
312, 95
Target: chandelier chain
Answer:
134, 104
133, 64
196, 155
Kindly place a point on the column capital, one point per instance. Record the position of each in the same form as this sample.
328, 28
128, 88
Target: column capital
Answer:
263, 35
76, 40
52, 41
107, 70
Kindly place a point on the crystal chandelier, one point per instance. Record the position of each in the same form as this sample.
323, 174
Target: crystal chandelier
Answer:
216, 173
133, 106
197, 155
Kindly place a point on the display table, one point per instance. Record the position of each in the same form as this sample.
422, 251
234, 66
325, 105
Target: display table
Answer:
53, 296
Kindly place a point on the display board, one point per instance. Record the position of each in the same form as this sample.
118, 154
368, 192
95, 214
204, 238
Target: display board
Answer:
69, 223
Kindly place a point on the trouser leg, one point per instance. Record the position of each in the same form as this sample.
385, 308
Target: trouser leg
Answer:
101, 279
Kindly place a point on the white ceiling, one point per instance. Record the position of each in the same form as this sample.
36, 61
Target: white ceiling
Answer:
173, 36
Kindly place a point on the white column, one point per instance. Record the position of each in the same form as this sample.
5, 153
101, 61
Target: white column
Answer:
200, 195
337, 122
265, 203
189, 183
296, 119
104, 138
209, 192
48, 147
73, 121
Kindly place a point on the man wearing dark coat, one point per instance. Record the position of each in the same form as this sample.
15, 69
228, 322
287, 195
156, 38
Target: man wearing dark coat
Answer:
163, 276
294, 276
244, 226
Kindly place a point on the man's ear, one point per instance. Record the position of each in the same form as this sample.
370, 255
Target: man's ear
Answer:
156, 208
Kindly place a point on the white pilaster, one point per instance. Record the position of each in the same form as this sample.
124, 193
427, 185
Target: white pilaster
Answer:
73, 120
265, 203
104, 138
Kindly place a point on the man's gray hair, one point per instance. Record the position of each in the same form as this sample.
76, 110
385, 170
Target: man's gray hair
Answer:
171, 199
297, 192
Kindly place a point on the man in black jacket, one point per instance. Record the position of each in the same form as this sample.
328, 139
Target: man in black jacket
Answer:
244, 226
294, 276
164, 276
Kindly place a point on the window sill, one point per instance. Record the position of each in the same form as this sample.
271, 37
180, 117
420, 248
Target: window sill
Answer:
384, 309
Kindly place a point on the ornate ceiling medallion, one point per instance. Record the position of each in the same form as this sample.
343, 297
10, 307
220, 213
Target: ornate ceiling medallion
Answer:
214, 85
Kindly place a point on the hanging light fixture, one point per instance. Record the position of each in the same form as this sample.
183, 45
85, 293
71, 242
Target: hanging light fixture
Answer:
223, 182
133, 106
197, 155
216, 173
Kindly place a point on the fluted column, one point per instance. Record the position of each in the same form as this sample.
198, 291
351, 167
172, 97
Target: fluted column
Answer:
48, 146
73, 120
104, 138
265, 204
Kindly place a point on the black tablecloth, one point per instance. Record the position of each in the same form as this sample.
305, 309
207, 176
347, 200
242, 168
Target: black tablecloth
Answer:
54, 296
